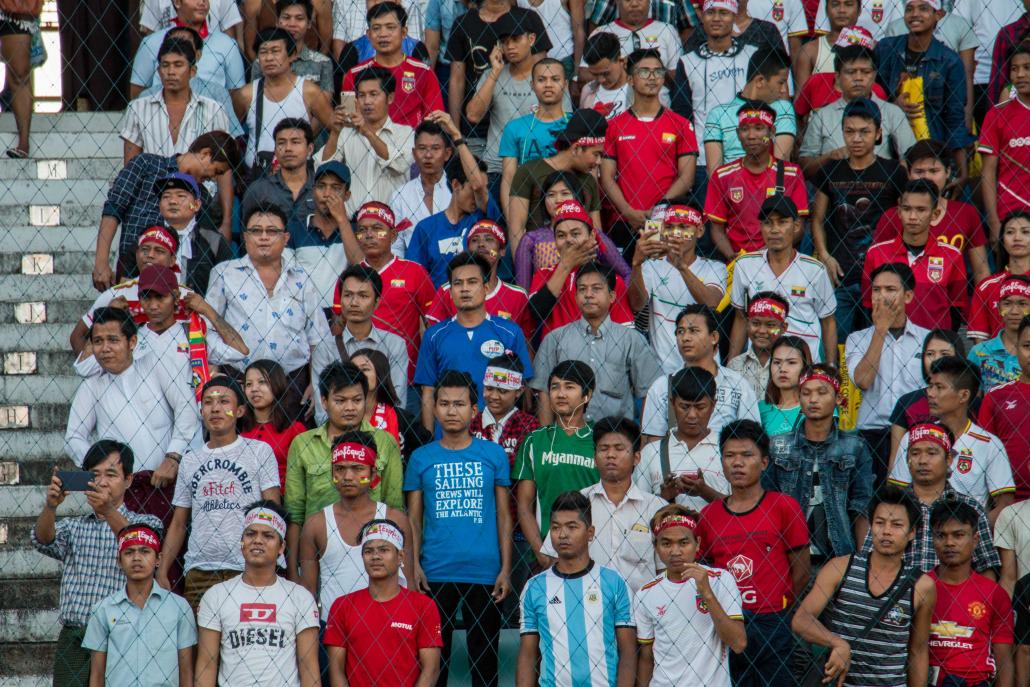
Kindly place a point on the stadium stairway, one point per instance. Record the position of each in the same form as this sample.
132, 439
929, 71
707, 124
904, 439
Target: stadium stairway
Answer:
49, 211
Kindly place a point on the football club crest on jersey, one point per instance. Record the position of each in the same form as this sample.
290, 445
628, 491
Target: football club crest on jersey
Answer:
593, 596
408, 82
977, 610
737, 194
896, 616
935, 269
965, 461
701, 605
777, 10
877, 11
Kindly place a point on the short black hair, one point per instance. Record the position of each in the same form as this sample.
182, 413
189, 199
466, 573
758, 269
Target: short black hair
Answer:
221, 145
194, 36
108, 314
227, 382
1020, 49
894, 495
693, 384
618, 425
575, 371
852, 53
1003, 254
773, 296
455, 172
364, 273
99, 452
295, 123
454, 379
575, 502
339, 375
265, 208
274, 33
595, 267
641, 54
357, 436
699, 309
766, 62
376, 73
433, 129
924, 187
467, 259
928, 149
385, 8
548, 61
565, 177
747, 430
178, 46
904, 272
954, 509
602, 46
281, 5
964, 375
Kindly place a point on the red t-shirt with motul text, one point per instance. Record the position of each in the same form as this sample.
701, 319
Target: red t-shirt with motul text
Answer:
940, 273
753, 546
383, 638
416, 90
1004, 413
735, 195
968, 618
959, 226
506, 300
567, 310
1006, 135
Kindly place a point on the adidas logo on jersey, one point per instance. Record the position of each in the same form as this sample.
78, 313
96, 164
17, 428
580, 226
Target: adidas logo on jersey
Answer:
555, 601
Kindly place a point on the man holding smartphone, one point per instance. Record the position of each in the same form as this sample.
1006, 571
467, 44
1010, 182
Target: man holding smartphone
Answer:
87, 547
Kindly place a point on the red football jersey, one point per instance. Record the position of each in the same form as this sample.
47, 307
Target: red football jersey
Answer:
1006, 135
967, 619
416, 90
940, 273
567, 310
982, 318
1004, 413
753, 546
735, 195
959, 226
383, 639
407, 295
506, 300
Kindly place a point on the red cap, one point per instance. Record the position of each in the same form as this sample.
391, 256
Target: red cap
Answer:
571, 210
157, 278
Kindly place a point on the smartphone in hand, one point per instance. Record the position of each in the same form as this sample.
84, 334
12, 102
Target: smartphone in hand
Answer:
75, 480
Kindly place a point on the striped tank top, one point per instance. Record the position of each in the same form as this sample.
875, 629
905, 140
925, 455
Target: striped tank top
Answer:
878, 659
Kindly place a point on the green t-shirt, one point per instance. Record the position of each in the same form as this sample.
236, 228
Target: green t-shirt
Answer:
778, 421
557, 462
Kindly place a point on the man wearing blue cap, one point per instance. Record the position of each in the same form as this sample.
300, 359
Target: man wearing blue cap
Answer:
200, 246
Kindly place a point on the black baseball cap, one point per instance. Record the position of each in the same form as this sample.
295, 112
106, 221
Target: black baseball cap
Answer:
519, 23
778, 205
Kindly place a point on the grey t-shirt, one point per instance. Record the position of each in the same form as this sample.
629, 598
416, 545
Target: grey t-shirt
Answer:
512, 98
825, 131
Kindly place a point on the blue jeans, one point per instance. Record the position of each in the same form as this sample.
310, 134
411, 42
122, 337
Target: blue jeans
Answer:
766, 660
850, 315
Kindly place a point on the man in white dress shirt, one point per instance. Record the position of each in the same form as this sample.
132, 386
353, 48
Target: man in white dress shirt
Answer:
428, 193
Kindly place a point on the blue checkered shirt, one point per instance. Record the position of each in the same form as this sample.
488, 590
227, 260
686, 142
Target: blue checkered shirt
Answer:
89, 550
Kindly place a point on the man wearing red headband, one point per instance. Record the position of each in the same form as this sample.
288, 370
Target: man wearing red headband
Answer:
166, 632
486, 238
737, 189
996, 357
688, 617
827, 470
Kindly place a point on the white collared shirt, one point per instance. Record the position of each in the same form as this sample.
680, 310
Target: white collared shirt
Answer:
734, 400
145, 407
147, 123
900, 371
283, 327
704, 457
372, 177
408, 207
622, 534
185, 252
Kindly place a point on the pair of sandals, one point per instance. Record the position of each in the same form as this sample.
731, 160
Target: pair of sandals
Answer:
17, 154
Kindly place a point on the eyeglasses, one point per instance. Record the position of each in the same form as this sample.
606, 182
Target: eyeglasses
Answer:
261, 231
645, 73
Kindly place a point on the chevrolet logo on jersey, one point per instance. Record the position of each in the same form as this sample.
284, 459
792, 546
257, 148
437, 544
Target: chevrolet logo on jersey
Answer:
947, 629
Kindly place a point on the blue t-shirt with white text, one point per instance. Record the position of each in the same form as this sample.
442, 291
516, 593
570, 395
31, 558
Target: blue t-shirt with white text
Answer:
434, 241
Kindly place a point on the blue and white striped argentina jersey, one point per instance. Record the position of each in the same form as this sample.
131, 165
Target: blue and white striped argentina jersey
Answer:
576, 616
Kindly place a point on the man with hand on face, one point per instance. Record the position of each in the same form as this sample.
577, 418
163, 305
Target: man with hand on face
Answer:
166, 632
257, 629
385, 634
623, 362
487, 240
462, 546
553, 292
684, 630
87, 546
375, 147
218, 481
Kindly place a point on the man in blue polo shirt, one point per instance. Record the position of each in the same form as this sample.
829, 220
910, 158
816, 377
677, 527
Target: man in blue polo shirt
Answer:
438, 238
470, 339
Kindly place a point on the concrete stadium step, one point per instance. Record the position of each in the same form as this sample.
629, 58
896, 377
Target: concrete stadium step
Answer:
30, 361
68, 123
29, 239
30, 680
36, 337
27, 502
55, 212
85, 143
33, 310
16, 593
29, 389
97, 168
37, 192
24, 563
29, 625
48, 287
35, 415
31, 447
35, 471
45, 263
22, 661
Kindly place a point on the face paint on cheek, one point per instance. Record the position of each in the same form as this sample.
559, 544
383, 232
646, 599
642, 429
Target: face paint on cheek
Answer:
364, 480
381, 234
229, 413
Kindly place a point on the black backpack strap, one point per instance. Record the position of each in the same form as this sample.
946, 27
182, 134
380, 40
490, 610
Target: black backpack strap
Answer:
781, 186
663, 455
259, 112
904, 586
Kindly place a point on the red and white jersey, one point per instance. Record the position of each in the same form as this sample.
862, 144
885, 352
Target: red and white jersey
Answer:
416, 90
959, 225
1006, 135
982, 318
968, 618
674, 618
505, 300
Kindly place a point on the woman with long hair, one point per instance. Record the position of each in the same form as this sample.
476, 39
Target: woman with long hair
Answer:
537, 250
984, 320
264, 384
788, 358
384, 409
